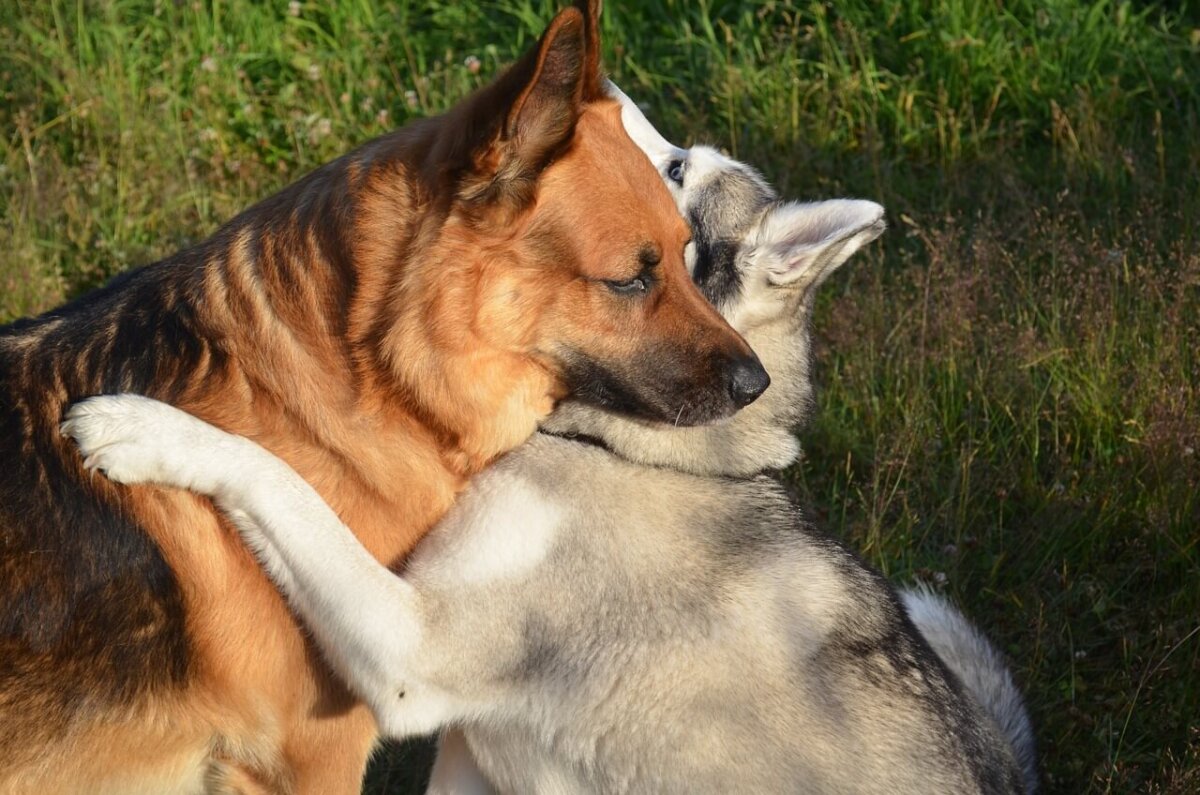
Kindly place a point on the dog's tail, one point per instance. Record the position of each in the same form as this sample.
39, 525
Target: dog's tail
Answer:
980, 667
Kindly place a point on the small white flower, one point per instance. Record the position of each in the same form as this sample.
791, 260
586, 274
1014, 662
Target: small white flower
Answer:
473, 64
209, 64
294, 8
313, 72
410, 99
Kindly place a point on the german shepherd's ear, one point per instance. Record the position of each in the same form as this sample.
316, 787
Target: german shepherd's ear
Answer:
533, 108
801, 244
593, 75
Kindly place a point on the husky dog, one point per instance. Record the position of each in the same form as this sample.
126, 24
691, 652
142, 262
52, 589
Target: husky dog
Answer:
622, 607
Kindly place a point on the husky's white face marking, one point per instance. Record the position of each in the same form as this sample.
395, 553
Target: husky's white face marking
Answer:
660, 151
509, 540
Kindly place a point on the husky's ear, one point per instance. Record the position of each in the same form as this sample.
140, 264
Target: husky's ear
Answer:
801, 244
515, 126
593, 75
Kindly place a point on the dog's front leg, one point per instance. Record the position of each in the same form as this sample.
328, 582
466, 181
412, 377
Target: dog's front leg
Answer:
367, 620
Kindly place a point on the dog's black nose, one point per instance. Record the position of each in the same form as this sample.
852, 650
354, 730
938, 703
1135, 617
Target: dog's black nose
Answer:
747, 380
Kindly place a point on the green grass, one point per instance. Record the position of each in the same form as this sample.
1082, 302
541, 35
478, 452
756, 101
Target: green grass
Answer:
1010, 403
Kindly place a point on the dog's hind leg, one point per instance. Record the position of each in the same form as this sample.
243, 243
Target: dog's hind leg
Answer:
455, 771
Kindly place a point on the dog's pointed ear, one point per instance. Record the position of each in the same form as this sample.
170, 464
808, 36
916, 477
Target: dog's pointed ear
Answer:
528, 115
593, 74
544, 114
801, 244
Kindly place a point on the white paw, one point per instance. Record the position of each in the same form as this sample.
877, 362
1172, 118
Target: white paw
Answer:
134, 439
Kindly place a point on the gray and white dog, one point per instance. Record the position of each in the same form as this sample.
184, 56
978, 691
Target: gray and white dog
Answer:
623, 607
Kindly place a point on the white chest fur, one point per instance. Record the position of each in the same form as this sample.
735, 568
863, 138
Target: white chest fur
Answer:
500, 529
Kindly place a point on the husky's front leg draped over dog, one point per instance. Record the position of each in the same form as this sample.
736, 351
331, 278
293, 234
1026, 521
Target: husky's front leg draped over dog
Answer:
587, 623
369, 621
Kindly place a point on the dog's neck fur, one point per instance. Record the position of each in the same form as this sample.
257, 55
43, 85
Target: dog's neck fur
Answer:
332, 375
385, 313
316, 369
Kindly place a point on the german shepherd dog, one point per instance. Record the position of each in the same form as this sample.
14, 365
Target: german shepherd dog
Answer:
388, 325
622, 608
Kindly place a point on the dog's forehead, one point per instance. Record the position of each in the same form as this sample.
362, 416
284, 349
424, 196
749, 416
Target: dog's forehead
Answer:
722, 200
725, 196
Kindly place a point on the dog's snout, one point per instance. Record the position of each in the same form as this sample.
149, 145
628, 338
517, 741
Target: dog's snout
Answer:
747, 380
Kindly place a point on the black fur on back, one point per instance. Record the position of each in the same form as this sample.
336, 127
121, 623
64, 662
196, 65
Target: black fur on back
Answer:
91, 615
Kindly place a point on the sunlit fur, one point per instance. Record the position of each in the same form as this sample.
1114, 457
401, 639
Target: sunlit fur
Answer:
583, 623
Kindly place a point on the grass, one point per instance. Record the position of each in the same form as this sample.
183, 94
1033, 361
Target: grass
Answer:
1011, 401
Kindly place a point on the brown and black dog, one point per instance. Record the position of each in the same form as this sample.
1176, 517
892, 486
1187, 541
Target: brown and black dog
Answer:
389, 325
